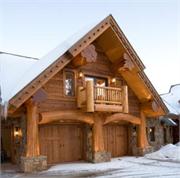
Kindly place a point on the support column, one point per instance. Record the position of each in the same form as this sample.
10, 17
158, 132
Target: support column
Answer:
32, 130
99, 153
142, 143
32, 161
90, 96
142, 137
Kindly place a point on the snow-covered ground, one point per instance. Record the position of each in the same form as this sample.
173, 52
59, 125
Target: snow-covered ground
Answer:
162, 163
130, 167
169, 152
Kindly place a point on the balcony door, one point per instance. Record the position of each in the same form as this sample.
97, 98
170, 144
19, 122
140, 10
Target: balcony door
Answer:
100, 82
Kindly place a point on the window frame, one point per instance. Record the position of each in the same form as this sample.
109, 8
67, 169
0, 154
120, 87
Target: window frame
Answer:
64, 78
153, 134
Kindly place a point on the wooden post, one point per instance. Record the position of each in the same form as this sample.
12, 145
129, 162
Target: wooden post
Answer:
98, 138
32, 149
90, 96
79, 97
125, 99
142, 137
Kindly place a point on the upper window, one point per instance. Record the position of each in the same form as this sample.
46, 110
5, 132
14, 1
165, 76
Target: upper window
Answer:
100, 82
69, 83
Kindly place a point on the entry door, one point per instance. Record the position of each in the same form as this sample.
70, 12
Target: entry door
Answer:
61, 143
115, 139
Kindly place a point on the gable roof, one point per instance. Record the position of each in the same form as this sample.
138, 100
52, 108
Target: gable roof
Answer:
29, 73
40, 72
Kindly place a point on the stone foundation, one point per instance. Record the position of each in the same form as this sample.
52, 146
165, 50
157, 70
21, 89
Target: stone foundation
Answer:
33, 164
99, 157
137, 151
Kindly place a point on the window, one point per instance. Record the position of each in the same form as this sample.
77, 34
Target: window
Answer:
152, 134
69, 83
165, 135
102, 82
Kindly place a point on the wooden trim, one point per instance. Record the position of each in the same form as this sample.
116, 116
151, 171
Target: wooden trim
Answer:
123, 117
108, 108
90, 36
39, 81
47, 117
126, 44
157, 98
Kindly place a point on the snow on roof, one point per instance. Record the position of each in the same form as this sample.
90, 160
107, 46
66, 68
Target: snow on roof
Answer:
172, 98
16, 74
12, 68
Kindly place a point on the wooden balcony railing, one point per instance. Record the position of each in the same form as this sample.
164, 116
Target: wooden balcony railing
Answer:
96, 98
108, 95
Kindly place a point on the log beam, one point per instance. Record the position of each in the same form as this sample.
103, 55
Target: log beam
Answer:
151, 108
32, 149
141, 133
123, 117
108, 108
47, 117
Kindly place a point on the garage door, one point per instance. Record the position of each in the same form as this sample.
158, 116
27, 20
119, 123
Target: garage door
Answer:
61, 143
115, 140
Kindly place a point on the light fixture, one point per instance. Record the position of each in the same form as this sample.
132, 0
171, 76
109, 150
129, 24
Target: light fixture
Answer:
113, 80
17, 131
80, 74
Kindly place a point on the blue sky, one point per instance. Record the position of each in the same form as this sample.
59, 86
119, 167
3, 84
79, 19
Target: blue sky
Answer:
34, 27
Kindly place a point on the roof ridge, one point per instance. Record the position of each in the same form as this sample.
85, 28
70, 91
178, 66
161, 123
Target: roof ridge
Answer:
1, 52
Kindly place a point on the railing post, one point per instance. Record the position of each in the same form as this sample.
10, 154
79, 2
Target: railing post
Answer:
79, 97
125, 99
90, 96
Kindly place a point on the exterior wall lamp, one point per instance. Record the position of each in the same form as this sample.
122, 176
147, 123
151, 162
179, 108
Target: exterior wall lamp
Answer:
81, 74
17, 132
113, 80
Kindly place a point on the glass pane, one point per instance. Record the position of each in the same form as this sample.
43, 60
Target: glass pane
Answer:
89, 79
69, 83
101, 82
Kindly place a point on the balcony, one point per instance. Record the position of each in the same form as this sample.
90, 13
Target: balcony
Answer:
103, 99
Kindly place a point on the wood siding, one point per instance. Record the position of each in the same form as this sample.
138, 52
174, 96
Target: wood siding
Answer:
61, 142
116, 139
56, 100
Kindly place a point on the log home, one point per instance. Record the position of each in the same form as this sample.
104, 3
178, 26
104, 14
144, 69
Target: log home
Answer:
88, 99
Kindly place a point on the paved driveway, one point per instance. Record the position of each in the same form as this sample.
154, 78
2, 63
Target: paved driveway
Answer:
130, 167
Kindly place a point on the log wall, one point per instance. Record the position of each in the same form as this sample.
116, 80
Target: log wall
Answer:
54, 88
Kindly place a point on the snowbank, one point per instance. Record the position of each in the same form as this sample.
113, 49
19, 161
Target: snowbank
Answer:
169, 152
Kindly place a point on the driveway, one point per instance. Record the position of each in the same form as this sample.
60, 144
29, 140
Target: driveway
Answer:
130, 167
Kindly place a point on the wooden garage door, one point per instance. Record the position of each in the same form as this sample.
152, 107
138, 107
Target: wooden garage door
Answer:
61, 143
115, 140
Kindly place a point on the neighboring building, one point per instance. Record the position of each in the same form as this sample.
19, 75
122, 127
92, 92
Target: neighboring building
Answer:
88, 99
172, 101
